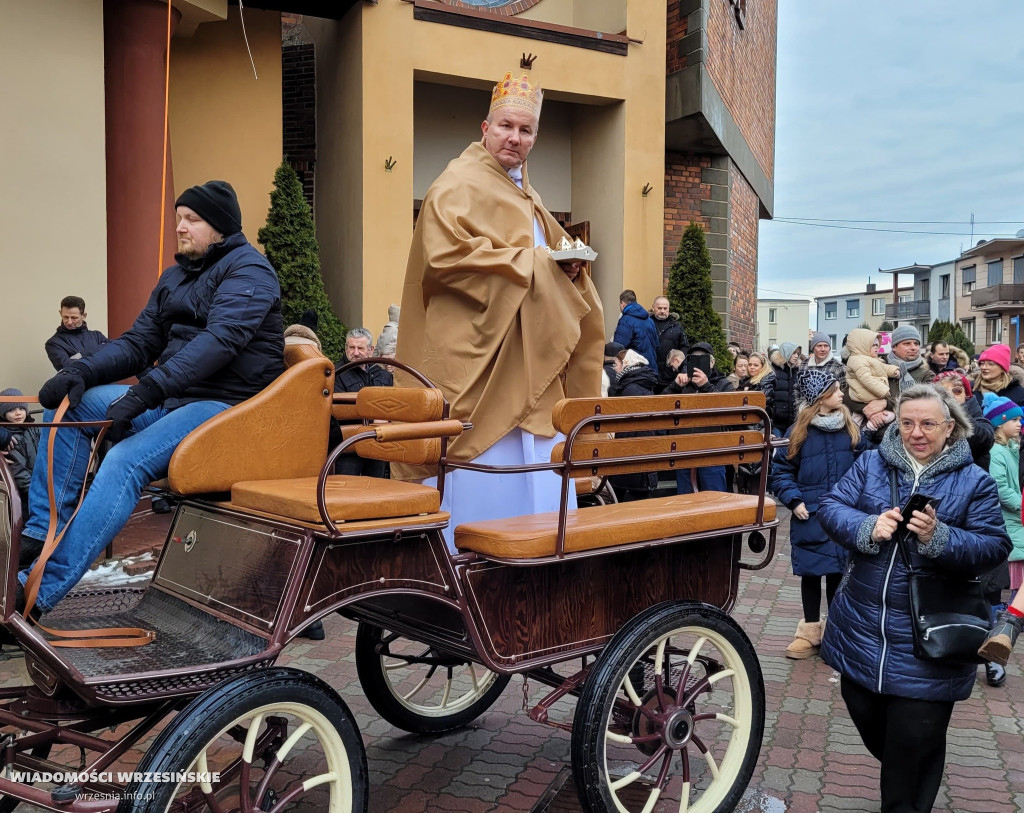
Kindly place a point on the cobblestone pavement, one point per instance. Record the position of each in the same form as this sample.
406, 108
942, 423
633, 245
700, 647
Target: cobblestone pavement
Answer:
811, 760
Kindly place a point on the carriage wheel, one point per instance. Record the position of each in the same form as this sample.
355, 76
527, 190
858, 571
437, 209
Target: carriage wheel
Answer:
279, 739
418, 688
671, 716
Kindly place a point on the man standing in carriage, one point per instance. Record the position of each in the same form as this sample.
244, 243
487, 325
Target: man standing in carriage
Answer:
492, 320
213, 327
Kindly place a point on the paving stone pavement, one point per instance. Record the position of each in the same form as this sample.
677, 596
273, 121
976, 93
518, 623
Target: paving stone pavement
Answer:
811, 760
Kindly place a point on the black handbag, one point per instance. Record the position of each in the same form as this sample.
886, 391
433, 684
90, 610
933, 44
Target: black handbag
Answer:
949, 615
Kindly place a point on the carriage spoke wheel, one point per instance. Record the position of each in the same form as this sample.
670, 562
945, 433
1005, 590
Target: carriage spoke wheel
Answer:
671, 716
277, 740
418, 688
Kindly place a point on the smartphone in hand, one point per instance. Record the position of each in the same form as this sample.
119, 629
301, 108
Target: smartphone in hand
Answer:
916, 502
698, 361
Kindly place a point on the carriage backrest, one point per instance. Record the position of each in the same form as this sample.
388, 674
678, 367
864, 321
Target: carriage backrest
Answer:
681, 421
300, 350
279, 433
398, 405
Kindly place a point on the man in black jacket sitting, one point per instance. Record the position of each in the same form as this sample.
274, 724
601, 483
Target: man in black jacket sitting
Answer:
213, 327
73, 339
358, 345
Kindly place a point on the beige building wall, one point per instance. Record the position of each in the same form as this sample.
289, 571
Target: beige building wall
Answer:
447, 119
608, 16
226, 123
53, 167
623, 222
791, 323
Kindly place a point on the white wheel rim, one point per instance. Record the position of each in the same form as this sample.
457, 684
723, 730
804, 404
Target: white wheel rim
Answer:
726, 736
433, 691
309, 723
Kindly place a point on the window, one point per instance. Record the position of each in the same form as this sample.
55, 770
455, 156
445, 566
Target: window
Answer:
1018, 270
967, 276
944, 280
852, 308
995, 272
831, 310
993, 330
926, 289
968, 327
877, 307
832, 339
772, 314
905, 297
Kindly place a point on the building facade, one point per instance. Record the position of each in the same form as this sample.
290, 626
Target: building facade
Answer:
933, 298
838, 314
654, 116
782, 320
990, 292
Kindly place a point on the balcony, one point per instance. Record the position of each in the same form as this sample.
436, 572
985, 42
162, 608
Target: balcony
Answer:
995, 297
919, 308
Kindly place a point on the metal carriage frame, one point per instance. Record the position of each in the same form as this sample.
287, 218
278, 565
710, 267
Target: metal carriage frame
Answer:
397, 575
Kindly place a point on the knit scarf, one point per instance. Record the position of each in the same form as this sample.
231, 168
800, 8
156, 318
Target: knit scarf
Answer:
906, 379
831, 422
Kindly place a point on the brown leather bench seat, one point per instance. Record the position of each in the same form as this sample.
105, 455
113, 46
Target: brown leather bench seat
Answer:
605, 526
348, 498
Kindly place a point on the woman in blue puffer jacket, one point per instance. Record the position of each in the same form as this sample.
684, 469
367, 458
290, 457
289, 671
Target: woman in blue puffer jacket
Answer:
901, 705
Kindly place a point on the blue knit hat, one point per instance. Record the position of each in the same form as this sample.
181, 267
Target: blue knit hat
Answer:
816, 383
999, 410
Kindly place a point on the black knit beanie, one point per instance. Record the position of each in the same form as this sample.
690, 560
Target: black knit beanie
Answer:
10, 407
216, 203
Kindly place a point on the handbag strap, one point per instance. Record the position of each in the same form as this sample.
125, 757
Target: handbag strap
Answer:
901, 541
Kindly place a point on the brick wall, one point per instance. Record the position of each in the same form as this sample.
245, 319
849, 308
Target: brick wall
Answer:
677, 27
741, 63
298, 109
743, 223
684, 193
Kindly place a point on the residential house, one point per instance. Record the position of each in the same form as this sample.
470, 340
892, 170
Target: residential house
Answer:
838, 314
990, 289
782, 320
932, 298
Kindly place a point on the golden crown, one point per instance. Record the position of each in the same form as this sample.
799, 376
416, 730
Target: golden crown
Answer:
510, 92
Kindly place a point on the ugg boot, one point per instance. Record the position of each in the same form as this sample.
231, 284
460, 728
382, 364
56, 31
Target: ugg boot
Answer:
806, 641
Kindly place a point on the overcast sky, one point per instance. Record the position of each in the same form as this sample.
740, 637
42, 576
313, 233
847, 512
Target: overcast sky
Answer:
898, 110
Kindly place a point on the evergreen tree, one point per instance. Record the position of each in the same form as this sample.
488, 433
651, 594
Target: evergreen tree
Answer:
690, 294
886, 327
289, 240
942, 331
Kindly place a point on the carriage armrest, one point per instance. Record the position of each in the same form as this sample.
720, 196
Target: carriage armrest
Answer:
279, 433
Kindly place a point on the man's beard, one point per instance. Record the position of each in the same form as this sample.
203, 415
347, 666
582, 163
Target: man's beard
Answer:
195, 250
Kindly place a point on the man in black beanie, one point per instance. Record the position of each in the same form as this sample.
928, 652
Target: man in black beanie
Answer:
213, 329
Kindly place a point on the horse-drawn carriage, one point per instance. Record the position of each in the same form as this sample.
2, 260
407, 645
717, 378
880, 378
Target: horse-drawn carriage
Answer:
623, 606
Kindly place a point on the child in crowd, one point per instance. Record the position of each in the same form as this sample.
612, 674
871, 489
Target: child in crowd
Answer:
823, 445
868, 378
22, 456
1004, 467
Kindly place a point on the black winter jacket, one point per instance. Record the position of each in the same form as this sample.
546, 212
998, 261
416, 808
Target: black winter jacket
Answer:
23, 455
671, 336
212, 324
717, 382
635, 381
355, 378
984, 433
64, 344
786, 405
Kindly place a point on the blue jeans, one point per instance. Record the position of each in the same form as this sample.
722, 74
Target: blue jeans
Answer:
127, 469
709, 478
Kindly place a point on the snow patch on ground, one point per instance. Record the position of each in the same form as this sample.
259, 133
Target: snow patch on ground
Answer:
111, 572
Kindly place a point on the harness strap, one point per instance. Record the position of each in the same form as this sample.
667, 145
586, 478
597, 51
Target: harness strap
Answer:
92, 638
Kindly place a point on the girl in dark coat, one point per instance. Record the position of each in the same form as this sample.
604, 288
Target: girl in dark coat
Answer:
22, 456
823, 444
902, 704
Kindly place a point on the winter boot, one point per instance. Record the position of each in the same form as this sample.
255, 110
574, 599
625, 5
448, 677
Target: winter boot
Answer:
806, 641
1001, 638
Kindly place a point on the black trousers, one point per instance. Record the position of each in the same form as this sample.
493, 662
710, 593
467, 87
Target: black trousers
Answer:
909, 738
353, 464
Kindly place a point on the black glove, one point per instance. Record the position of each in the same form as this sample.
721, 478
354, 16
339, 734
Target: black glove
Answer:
72, 382
138, 399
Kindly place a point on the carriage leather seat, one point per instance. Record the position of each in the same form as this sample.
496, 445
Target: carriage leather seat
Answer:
348, 498
605, 526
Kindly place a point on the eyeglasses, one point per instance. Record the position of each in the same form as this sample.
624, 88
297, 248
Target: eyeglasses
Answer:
928, 427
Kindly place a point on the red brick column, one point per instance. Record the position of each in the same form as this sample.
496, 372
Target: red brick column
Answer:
135, 34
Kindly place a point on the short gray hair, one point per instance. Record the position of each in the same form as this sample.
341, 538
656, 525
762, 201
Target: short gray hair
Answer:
360, 333
962, 427
674, 353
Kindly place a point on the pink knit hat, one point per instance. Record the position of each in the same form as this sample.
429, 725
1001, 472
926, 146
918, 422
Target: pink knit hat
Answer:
998, 354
